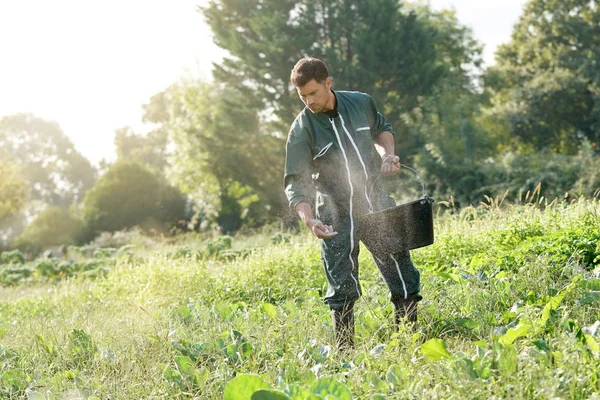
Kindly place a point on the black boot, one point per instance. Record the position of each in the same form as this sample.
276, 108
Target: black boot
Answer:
405, 310
343, 324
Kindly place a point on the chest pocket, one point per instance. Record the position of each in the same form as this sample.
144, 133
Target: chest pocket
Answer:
323, 151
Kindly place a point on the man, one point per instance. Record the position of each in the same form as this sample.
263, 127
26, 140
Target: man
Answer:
339, 145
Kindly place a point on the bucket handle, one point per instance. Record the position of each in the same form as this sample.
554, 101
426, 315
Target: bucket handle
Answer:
420, 178
401, 165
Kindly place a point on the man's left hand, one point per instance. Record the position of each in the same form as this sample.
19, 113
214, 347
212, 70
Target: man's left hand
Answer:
390, 165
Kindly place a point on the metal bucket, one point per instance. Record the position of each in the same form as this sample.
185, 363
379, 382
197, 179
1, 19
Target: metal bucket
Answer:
404, 227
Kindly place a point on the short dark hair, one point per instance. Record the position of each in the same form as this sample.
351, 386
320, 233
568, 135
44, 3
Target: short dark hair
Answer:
307, 69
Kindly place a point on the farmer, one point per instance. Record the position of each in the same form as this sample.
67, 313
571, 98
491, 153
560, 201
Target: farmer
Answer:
339, 144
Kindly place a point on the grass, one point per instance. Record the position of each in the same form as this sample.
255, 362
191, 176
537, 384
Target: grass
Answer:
511, 298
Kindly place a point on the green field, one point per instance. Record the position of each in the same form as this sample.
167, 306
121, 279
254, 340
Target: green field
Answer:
510, 310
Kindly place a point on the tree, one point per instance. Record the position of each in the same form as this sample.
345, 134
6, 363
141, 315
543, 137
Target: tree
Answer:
129, 195
13, 192
56, 173
546, 86
421, 67
149, 149
222, 156
384, 51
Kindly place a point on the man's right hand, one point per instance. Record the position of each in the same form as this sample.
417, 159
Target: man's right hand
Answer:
319, 229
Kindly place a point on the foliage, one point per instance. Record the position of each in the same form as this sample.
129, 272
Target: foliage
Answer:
221, 155
545, 85
395, 53
422, 68
55, 172
149, 149
510, 300
12, 257
52, 227
129, 195
14, 191
52, 270
510, 175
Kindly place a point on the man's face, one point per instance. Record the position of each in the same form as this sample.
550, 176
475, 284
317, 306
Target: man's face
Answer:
315, 95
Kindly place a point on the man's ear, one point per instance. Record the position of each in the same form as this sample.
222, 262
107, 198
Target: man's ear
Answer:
328, 82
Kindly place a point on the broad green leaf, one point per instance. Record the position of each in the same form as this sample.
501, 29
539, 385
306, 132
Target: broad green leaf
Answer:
589, 298
325, 386
375, 382
298, 393
319, 353
246, 350
514, 333
590, 284
185, 365
556, 300
13, 377
236, 336
269, 310
542, 345
394, 374
269, 394
501, 275
172, 376
224, 311
242, 386
435, 350
184, 313
591, 342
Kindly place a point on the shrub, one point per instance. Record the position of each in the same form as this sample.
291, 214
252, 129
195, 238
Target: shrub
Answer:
52, 227
129, 195
12, 257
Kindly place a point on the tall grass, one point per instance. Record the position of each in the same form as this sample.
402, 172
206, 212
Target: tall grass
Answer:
511, 296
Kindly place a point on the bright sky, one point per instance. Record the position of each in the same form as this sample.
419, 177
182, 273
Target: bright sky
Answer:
91, 65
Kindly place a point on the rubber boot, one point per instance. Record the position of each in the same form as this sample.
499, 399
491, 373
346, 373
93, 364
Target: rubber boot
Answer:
405, 311
343, 325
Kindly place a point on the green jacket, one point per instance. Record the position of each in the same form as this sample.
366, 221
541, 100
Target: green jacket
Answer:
336, 157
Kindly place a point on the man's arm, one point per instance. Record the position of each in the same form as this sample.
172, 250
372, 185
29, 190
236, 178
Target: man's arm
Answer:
320, 230
384, 143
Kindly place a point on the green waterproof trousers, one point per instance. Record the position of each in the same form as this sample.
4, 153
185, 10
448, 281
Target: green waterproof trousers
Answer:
340, 261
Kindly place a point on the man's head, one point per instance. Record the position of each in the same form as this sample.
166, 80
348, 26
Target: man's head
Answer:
311, 79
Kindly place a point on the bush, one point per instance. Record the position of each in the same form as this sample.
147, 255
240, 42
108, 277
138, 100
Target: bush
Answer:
12, 257
52, 227
556, 175
129, 195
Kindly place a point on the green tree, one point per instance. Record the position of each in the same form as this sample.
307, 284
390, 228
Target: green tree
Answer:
149, 149
421, 67
56, 173
386, 51
222, 156
546, 87
129, 195
14, 191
